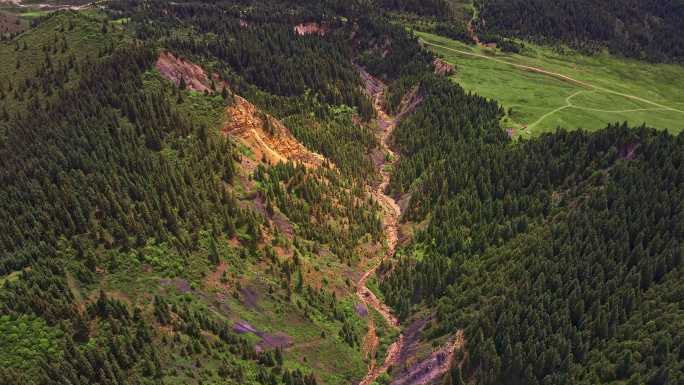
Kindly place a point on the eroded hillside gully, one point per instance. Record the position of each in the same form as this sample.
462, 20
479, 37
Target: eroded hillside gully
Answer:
391, 214
437, 364
248, 127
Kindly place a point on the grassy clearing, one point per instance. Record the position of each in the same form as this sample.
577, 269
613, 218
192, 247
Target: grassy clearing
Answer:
203, 109
541, 102
316, 344
34, 14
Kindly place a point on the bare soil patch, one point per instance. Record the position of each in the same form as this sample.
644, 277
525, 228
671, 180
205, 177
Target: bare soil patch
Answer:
10, 24
213, 280
266, 136
249, 297
443, 68
268, 340
195, 77
272, 341
628, 151
181, 285
361, 310
242, 327
473, 33
312, 28
409, 103
283, 225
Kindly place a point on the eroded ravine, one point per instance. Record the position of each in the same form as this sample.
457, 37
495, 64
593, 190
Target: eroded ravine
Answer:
391, 214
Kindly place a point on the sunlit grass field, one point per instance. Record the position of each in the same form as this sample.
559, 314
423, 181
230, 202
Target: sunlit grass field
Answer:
602, 89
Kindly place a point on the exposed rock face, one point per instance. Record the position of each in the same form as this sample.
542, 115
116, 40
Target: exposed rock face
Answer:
266, 136
434, 366
194, 76
443, 68
311, 28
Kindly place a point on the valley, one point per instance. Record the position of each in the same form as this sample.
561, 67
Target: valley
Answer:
391, 214
334, 192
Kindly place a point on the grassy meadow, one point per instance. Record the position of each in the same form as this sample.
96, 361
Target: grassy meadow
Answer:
601, 89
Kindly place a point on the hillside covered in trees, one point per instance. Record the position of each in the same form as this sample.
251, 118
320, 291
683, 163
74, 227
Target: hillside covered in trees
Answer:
148, 237
560, 256
646, 29
139, 243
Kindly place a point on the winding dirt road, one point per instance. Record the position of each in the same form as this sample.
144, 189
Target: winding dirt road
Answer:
54, 7
558, 76
391, 214
569, 104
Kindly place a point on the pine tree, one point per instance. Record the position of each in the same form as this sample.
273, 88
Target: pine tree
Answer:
214, 256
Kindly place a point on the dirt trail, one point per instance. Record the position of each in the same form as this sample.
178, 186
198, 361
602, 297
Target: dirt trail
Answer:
391, 212
569, 104
558, 76
54, 7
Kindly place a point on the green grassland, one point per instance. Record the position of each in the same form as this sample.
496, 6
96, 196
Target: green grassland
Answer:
34, 14
602, 89
316, 344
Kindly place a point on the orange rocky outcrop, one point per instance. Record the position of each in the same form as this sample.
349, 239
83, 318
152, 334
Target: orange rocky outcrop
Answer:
266, 136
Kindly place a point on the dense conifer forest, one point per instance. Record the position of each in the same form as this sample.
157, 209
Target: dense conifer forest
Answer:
107, 169
83, 176
549, 252
140, 243
646, 29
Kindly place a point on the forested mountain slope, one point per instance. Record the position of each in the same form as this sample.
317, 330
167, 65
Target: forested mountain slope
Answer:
548, 252
142, 245
191, 193
646, 29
